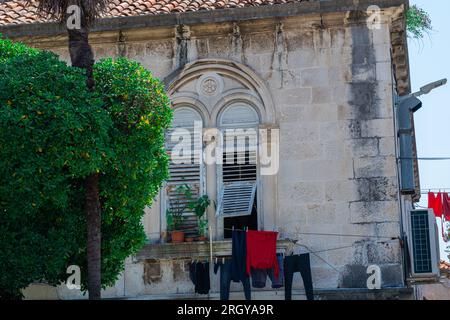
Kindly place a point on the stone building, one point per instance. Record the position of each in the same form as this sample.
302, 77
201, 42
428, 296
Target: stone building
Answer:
318, 77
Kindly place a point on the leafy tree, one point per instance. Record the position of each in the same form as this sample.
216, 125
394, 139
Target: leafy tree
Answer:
53, 133
140, 111
82, 56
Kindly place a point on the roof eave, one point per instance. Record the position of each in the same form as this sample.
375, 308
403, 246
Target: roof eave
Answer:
200, 17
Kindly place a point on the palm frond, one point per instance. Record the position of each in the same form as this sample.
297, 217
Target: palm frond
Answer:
57, 9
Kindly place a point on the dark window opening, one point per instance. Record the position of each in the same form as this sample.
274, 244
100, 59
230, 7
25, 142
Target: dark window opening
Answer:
250, 222
240, 166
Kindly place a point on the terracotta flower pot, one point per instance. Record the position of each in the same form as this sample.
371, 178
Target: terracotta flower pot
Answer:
202, 238
189, 239
177, 236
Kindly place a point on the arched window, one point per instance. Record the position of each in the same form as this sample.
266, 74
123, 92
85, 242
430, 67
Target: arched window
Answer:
185, 117
238, 170
239, 115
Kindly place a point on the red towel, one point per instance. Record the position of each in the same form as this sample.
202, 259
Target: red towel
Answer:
446, 206
435, 203
262, 250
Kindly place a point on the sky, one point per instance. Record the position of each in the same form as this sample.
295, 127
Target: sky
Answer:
429, 61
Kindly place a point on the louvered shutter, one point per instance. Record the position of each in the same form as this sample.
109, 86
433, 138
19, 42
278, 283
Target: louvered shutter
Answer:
184, 146
238, 172
236, 198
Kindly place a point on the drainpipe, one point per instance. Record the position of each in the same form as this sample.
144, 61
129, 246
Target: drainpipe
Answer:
405, 108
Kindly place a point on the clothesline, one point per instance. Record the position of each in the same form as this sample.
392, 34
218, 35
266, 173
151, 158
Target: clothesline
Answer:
347, 235
426, 191
333, 234
426, 158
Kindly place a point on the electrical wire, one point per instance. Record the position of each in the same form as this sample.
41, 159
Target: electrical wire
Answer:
426, 158
347, 235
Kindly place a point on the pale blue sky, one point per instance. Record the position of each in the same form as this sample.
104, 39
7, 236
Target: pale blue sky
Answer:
429, 61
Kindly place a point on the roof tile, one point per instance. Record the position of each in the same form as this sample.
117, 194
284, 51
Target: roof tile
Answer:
18, 12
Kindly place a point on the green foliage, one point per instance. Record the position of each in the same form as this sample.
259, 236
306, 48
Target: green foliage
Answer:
178, 206
183, 201
199, 207
140, 112
418, 22
53, 133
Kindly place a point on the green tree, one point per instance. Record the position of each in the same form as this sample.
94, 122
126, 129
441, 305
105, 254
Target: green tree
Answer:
54, 133
78, 16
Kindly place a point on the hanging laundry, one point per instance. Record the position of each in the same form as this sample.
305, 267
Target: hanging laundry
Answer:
199, 275
298, 263
225, 280
277, 282
446, 206
262, 250
259, 277
435, 203
239, 256
446, 215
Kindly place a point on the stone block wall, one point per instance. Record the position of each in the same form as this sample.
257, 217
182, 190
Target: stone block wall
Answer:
330, 79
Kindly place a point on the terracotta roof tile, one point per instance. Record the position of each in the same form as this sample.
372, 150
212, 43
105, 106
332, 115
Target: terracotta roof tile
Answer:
18, 12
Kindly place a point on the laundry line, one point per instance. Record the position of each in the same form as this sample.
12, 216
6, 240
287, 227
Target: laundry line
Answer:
425, 158
333, 234
347, 235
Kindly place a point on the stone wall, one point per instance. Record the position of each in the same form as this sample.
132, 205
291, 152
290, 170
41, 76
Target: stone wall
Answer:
330, 80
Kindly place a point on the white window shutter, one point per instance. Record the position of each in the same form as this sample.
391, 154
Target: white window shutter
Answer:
238, 172
236, 198
239, 115
184, 147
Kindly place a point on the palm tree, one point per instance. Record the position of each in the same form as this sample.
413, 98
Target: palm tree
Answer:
82, 56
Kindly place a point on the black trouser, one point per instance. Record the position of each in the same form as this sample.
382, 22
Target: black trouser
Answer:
298, 263
239, 256
225, 281
199, 274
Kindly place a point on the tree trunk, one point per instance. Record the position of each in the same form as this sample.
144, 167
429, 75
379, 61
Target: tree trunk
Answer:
82, 56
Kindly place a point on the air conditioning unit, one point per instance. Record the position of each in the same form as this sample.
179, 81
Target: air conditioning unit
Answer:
423, 244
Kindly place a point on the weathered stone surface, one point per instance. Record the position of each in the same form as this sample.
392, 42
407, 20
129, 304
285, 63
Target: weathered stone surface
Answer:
372, 167
315, 77
355, 276
341, 190
377, 128
366, 147
374, 211
152, 271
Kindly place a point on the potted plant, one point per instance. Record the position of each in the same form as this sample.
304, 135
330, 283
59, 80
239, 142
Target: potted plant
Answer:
199, 207
202, 224
174, 215
174, 222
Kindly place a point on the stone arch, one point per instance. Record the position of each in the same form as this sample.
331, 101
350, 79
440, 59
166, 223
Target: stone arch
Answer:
214, 84
189, 101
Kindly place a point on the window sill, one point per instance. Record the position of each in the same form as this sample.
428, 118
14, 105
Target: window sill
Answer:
189, 250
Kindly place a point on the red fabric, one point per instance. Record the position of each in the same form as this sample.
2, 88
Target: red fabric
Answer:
435, 203
262, 250
446, 206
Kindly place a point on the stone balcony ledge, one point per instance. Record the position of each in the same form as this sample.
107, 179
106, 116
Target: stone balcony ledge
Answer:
189, 250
